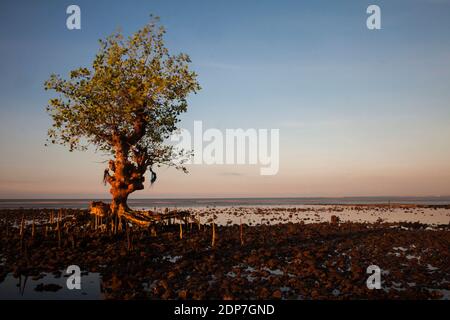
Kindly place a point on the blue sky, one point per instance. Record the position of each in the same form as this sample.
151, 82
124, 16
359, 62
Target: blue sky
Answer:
360, 112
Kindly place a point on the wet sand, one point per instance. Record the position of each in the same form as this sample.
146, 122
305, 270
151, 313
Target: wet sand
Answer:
271, 215
258, 253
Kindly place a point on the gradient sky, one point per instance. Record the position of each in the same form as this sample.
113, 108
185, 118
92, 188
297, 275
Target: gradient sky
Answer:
360, 112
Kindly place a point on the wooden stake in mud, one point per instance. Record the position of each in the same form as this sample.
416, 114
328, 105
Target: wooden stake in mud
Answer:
33, 229
213, 240
58, 227
112, 226
129, 245
22, 232
181, 231
153, 231
166, 211
22, 225
241, 231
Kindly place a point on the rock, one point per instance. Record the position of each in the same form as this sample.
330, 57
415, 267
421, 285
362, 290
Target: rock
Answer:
315, 258
182, 294
272, 263
277, 294
334, 219
263, 293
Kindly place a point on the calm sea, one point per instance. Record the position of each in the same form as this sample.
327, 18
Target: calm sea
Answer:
218, 202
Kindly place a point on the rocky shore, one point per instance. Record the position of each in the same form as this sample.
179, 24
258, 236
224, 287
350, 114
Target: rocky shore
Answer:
210, 260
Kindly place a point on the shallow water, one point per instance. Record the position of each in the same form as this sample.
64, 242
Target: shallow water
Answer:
23, 288
218, 202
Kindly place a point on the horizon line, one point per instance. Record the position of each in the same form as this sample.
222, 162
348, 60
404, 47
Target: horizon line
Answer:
226, 198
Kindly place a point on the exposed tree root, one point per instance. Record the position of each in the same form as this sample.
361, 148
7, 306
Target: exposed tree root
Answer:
139, 218
99, 208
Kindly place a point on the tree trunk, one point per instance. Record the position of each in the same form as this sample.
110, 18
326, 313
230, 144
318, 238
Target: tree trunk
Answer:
119, 202
120, 180
127, 178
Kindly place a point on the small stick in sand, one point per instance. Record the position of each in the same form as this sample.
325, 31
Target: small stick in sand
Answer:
33, 229
213, 240
181, 231
22, 232
22, 223
112, 226
59, 233
241, 231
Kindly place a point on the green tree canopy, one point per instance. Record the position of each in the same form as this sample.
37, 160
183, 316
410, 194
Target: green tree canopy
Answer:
126, 104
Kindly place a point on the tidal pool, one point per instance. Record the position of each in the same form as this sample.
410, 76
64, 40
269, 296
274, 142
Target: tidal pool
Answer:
24, 288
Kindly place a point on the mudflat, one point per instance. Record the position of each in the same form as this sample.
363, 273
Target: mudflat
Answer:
236, 253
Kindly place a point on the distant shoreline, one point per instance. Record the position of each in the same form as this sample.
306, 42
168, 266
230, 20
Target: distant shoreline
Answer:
226, 202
